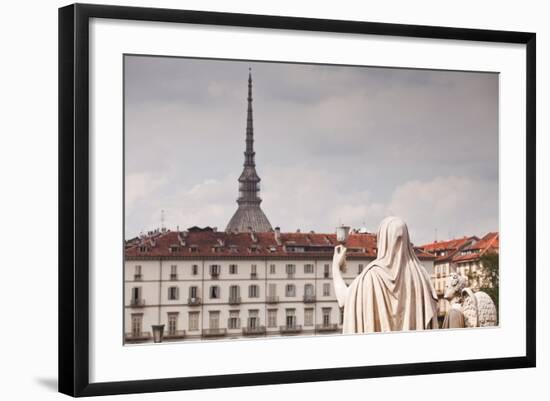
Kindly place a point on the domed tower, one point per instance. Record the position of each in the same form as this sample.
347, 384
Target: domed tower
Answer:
249, 215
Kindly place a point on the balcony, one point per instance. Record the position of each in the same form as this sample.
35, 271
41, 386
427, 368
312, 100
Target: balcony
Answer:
308, 298
271, 299
327, 327
174, 335
234, 300
214, 332
253, 276
290, 276
173, 277
138, 277
137, 303
194, 301
295, 329
254, 331
137, 337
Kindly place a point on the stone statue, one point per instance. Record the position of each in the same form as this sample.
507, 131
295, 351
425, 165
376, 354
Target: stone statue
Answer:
393, 292
468, 309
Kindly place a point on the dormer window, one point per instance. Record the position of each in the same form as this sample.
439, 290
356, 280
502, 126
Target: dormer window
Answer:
193, 249
174, 248
143, 249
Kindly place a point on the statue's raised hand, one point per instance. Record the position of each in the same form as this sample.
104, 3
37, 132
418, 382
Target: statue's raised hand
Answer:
339, 258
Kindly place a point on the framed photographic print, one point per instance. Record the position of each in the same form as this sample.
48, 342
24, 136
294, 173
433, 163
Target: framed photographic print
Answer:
346, 199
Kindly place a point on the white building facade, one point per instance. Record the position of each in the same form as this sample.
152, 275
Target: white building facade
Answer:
229, 285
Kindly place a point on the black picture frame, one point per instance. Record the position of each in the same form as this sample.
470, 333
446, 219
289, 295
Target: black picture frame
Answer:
74, 198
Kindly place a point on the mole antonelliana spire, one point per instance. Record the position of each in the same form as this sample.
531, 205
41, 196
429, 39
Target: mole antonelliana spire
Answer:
249, 215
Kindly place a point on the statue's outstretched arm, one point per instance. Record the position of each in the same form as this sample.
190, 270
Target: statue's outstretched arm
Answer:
340, 287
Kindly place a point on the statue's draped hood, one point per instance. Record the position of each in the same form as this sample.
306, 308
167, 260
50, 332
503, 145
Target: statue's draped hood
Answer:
394, 291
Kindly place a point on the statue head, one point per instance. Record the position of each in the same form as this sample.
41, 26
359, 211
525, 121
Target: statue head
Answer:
454, 285
393, 235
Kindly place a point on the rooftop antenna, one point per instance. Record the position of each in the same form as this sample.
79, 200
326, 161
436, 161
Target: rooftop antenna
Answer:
162, 219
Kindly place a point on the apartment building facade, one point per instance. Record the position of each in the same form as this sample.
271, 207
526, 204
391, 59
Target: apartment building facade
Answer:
202, 284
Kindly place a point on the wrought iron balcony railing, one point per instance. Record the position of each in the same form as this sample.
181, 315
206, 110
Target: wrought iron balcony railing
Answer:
294, 329
327, 327
193, 301
234, 300
271, 299
253, 331
137, 303
219, 332
174, 334
309, 298
137, 337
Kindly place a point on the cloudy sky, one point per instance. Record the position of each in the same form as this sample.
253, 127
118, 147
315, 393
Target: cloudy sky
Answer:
334, 144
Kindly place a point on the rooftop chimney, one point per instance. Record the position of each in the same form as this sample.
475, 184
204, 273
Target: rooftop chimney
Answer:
278, 235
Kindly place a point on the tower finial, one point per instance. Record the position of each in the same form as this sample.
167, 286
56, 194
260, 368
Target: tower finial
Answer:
249, 153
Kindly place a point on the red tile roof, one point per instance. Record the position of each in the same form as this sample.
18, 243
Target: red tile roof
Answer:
445, 245
489, 243
450, 247
198, 243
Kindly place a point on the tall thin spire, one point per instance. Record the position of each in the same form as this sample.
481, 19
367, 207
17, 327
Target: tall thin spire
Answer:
249, 153
249, 215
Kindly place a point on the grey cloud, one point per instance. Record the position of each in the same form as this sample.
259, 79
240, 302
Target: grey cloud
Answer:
371, 130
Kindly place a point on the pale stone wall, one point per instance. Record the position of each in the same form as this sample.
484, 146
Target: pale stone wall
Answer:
158, 276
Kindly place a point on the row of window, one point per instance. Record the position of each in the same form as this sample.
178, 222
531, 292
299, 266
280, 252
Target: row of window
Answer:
234, 321
215, 270
235, 291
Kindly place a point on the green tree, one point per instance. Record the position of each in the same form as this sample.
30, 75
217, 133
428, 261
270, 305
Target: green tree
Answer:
488, 277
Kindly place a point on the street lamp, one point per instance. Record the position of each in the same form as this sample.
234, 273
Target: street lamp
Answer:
342, 234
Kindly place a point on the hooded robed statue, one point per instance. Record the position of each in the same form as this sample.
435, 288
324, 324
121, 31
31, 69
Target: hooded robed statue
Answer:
393, 292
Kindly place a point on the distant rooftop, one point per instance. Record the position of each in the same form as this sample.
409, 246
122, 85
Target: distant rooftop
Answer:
208, 242
463, 249
489, 243
444, 250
